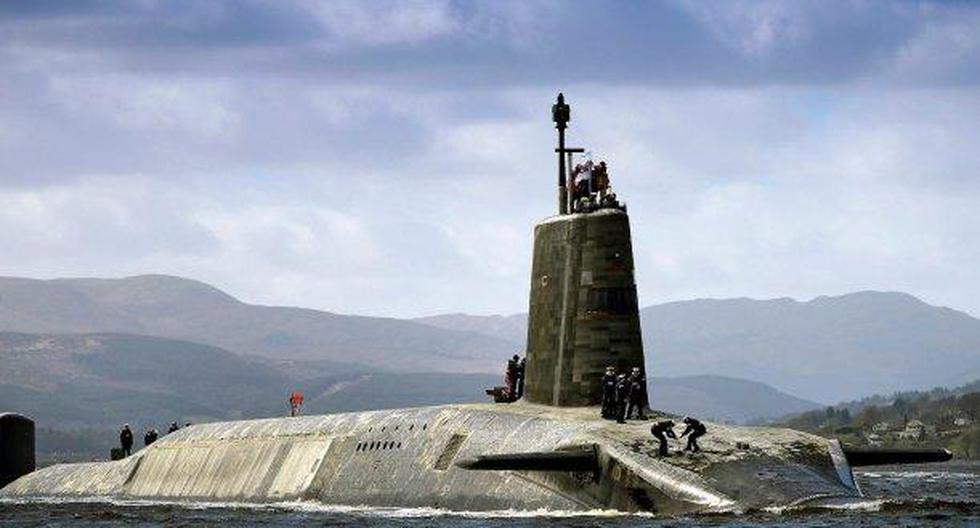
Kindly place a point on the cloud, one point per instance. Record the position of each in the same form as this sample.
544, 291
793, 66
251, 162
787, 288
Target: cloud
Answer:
109, 222
754, 28
946, 50
391, 158
428, 45
350, 23
200, 109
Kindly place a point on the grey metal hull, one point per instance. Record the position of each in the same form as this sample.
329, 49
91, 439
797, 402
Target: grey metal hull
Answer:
406, 458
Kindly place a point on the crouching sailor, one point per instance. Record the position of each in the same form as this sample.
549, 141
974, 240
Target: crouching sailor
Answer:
661, 430
697, 430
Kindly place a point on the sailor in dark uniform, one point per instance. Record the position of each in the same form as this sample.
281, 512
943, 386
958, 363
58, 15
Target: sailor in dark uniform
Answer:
622, 395
126, 439
609, 393
697, 430
510, 378
521, 372
150, 437
637, 396
662, 430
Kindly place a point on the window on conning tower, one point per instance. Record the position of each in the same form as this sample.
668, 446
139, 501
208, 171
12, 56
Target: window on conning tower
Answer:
610, 301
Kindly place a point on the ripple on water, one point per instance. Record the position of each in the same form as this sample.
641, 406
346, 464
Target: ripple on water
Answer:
895, 497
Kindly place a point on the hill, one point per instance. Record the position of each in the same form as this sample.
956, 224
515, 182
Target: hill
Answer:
711, 397
81, 387
511, 328
827, 349
724, 399
102, 380
179, 308
936, 418
391, 391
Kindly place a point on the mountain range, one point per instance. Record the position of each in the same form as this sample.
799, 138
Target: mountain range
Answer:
94, 382
94, 352
177, 308
827, 349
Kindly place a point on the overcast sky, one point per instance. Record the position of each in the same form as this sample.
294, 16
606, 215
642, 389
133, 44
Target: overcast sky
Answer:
390, 158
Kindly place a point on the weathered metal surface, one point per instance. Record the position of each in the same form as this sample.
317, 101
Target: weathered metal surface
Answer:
86, 479
570, 338
398, 458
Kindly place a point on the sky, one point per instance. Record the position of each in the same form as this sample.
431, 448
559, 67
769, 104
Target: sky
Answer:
391, 157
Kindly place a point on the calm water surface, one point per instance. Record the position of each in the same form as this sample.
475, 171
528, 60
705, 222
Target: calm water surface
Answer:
930, 495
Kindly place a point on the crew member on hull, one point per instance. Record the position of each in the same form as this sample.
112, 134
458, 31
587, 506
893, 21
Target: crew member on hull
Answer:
622, 396
637, 395
521, 372
609, 393
126, 439
510, 378
295, 403
697, 430
173, 427
150, 437
661, 430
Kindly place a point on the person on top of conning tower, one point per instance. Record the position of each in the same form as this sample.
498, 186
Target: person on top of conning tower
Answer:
601, 174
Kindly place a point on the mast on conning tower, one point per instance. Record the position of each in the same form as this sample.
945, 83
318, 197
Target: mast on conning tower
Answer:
561, 114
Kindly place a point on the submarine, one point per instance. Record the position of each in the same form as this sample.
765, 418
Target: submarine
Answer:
550, 450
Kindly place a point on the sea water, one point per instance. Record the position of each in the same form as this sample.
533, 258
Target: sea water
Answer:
929, 495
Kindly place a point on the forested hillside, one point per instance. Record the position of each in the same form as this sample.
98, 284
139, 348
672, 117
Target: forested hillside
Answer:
937, 418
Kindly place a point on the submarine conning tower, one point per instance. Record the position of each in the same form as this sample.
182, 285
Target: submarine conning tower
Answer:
583, 312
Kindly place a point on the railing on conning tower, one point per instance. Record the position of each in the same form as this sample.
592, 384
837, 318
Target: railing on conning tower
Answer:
582, 188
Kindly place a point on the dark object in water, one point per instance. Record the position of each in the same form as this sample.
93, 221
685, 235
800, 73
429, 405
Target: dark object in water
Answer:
16, 447
873, 456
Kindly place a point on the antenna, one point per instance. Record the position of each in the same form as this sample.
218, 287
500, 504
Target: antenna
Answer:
561, 114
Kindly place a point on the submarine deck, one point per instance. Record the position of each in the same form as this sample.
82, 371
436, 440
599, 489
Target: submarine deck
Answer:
406, 457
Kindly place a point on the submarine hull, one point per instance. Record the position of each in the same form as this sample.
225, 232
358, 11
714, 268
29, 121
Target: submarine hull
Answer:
424, 458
